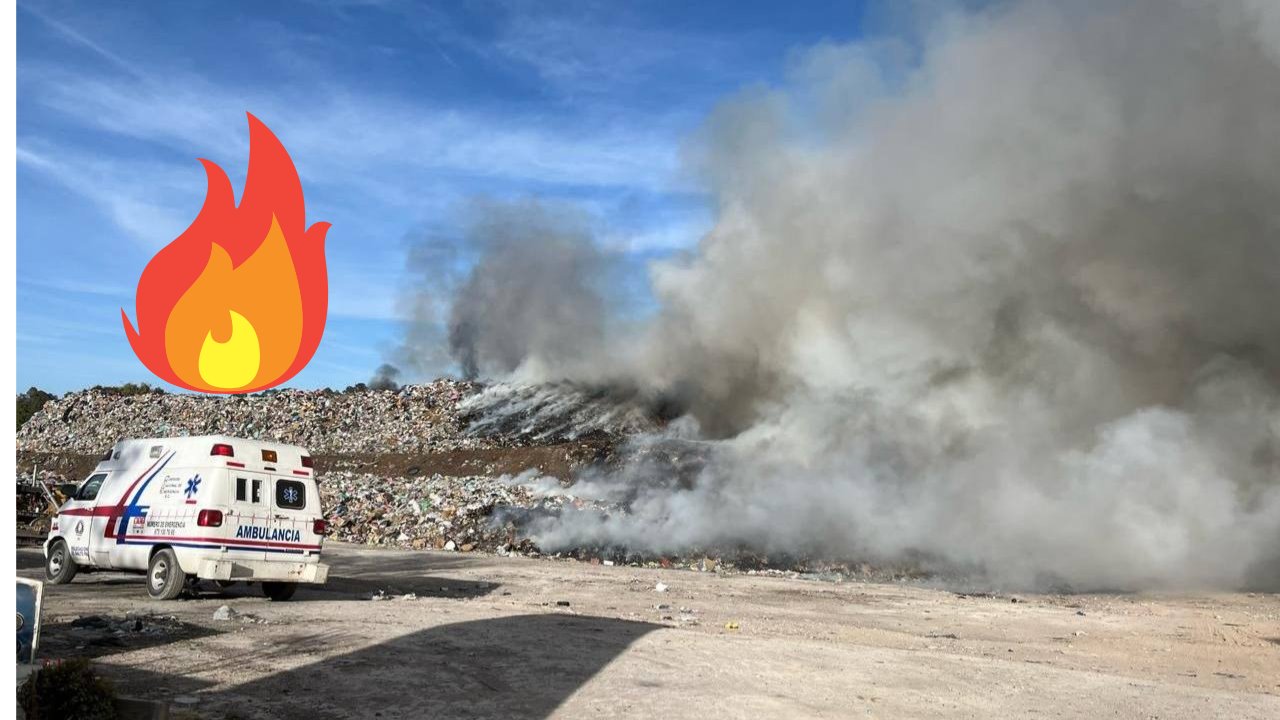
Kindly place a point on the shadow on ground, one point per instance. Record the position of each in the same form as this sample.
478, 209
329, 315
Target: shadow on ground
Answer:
523, 666
514, 667
351, 577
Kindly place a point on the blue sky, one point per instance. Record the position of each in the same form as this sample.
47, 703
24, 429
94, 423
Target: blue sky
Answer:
396, 115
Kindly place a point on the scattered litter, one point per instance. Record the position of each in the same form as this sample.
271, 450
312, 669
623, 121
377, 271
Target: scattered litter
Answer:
226, 612
660, 587
562, 603
731, 625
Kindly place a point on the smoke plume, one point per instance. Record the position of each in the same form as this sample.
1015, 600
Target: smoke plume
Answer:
1011, 309
534, 297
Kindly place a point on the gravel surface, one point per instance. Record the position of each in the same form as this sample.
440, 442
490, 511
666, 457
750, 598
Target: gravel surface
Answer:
479, 636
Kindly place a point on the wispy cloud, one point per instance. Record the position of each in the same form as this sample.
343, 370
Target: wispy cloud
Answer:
342, 133
681, 234
143, 199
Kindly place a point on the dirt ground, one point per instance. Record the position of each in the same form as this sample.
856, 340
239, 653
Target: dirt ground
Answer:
495, 637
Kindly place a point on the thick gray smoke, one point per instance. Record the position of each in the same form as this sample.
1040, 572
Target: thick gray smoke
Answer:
526, 294
1014, 313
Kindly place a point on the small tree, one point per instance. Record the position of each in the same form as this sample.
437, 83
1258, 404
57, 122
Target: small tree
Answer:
30, 402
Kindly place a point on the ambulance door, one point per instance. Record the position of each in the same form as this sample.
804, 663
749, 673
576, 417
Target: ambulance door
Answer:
294, 509
76, 517
249, 519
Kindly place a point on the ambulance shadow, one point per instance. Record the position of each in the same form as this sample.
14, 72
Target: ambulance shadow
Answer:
514, 667
365, 588
363, 576
377, 562
362, 589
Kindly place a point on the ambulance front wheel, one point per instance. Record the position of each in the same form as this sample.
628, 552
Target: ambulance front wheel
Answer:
59, 566
279, 591
165, 578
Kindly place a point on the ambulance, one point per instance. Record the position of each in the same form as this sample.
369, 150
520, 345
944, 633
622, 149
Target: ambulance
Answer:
185, 509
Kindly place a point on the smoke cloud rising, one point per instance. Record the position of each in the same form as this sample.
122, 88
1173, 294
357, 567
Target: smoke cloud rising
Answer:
1012, 310
533, 301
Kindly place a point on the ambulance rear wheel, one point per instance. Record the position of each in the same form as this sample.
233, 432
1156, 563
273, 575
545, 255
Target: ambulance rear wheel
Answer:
59, 566
165, 578
279, 591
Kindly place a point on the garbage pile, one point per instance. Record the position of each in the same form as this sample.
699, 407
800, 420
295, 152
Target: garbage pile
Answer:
416, 418
433, 513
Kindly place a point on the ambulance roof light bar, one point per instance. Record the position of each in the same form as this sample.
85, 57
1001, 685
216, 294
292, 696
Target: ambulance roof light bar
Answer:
222, 449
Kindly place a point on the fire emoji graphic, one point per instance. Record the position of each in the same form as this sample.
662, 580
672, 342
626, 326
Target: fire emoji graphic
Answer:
238, 302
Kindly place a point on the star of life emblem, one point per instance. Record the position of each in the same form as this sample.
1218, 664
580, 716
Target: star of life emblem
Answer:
193, 486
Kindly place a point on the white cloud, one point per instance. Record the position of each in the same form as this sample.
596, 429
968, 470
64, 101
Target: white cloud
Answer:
678, 235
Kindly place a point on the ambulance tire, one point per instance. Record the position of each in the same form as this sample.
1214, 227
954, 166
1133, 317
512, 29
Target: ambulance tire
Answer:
279, 591
165, 578
59, 566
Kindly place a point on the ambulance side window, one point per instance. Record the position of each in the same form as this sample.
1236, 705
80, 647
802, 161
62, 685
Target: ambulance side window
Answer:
257, 491
242, 492
89, 490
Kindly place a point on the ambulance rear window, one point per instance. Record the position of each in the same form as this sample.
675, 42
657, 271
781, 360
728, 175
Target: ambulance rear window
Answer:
291, 494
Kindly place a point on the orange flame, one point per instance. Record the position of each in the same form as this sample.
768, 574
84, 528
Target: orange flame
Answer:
237, 303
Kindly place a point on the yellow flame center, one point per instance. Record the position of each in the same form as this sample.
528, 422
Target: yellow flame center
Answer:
256, 308
234, 363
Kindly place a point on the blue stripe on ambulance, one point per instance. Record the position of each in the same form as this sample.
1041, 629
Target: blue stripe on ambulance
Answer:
133, 509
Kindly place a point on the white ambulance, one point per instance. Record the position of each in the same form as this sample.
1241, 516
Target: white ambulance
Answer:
211, 507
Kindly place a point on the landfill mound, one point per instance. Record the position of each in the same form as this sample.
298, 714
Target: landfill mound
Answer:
415, 418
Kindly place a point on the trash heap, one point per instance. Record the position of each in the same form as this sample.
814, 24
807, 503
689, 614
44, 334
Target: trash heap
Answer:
416, 418
436, 512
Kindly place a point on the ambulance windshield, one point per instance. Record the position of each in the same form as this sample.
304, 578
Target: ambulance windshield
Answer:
89, 490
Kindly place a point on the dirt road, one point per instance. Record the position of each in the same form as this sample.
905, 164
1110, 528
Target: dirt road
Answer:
483, 636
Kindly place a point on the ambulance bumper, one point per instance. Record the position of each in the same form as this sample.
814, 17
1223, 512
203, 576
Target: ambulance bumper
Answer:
261, 570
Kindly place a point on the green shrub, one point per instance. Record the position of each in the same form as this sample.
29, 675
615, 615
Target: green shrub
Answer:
67, 690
